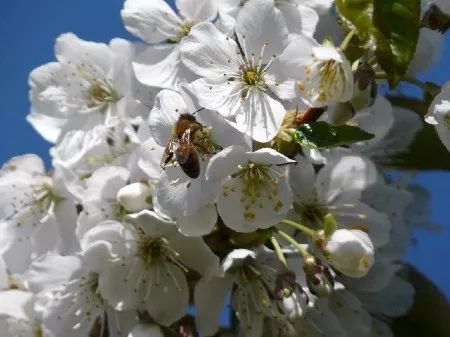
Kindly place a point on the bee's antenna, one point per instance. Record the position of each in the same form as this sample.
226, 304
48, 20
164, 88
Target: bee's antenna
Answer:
197, 111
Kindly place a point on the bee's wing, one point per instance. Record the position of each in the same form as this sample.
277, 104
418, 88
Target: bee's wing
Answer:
185, 154
168, 152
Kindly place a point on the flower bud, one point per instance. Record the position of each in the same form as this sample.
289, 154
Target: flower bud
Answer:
292, 299
135, 197
350, 251
319, 279
365, 89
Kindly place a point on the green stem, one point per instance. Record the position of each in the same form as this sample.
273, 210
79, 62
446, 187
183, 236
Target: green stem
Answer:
381, 75
415, 81
300, 227
293, 242
347, 39
278, 250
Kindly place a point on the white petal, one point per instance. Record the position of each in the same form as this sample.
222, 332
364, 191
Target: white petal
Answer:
105, 182
258, 23
152, 224
361, 216
30, 163
3, 274
243, 215
345, 178
195, 254
169, 298
260, 116
297, 54
150, 159
302, 177
13, 304
160, 66
200, 223
71, 49
182, 196
146, 330
209, 53
237, 257
168, 107
268, 156
119, 284
209, 299
197, 10
225, 98
225, 162
49, 128
152, 21
49, 271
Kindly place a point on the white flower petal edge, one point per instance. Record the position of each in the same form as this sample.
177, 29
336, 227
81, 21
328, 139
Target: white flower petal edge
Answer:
439, 115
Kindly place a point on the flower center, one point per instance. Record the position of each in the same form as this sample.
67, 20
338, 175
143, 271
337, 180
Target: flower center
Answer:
153, 250
37, 330
185, 28
43, 196
258, 179
311, 210
447, 120
101, 93
326, 77
203, 141
251, 77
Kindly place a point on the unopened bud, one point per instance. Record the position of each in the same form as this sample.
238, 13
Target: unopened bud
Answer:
135, 197
350, 251
319, 279
365, 89
292, 299
330, 225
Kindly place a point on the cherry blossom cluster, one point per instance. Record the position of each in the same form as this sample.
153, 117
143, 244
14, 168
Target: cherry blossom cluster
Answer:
181, 185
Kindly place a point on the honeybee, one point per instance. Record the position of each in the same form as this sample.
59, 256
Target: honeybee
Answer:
188, 136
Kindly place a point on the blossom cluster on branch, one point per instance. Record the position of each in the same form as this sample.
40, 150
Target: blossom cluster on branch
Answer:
236, 157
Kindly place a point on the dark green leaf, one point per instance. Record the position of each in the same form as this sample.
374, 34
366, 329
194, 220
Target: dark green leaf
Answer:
322, 135
392, 24
429, 314
397, 33
359, 13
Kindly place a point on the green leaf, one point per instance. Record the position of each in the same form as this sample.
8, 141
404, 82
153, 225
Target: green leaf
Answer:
322, 135
359, 13
429, 314
392, 24
397, 23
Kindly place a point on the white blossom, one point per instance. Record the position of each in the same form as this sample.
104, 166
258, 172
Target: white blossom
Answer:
439, 115
350, 251
242, 87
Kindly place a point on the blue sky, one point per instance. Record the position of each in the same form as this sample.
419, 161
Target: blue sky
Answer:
28, 29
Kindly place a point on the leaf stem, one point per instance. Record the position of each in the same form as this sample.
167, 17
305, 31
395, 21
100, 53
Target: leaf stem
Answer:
293, 242
415, 81
278, 250
300, 227
347, 40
